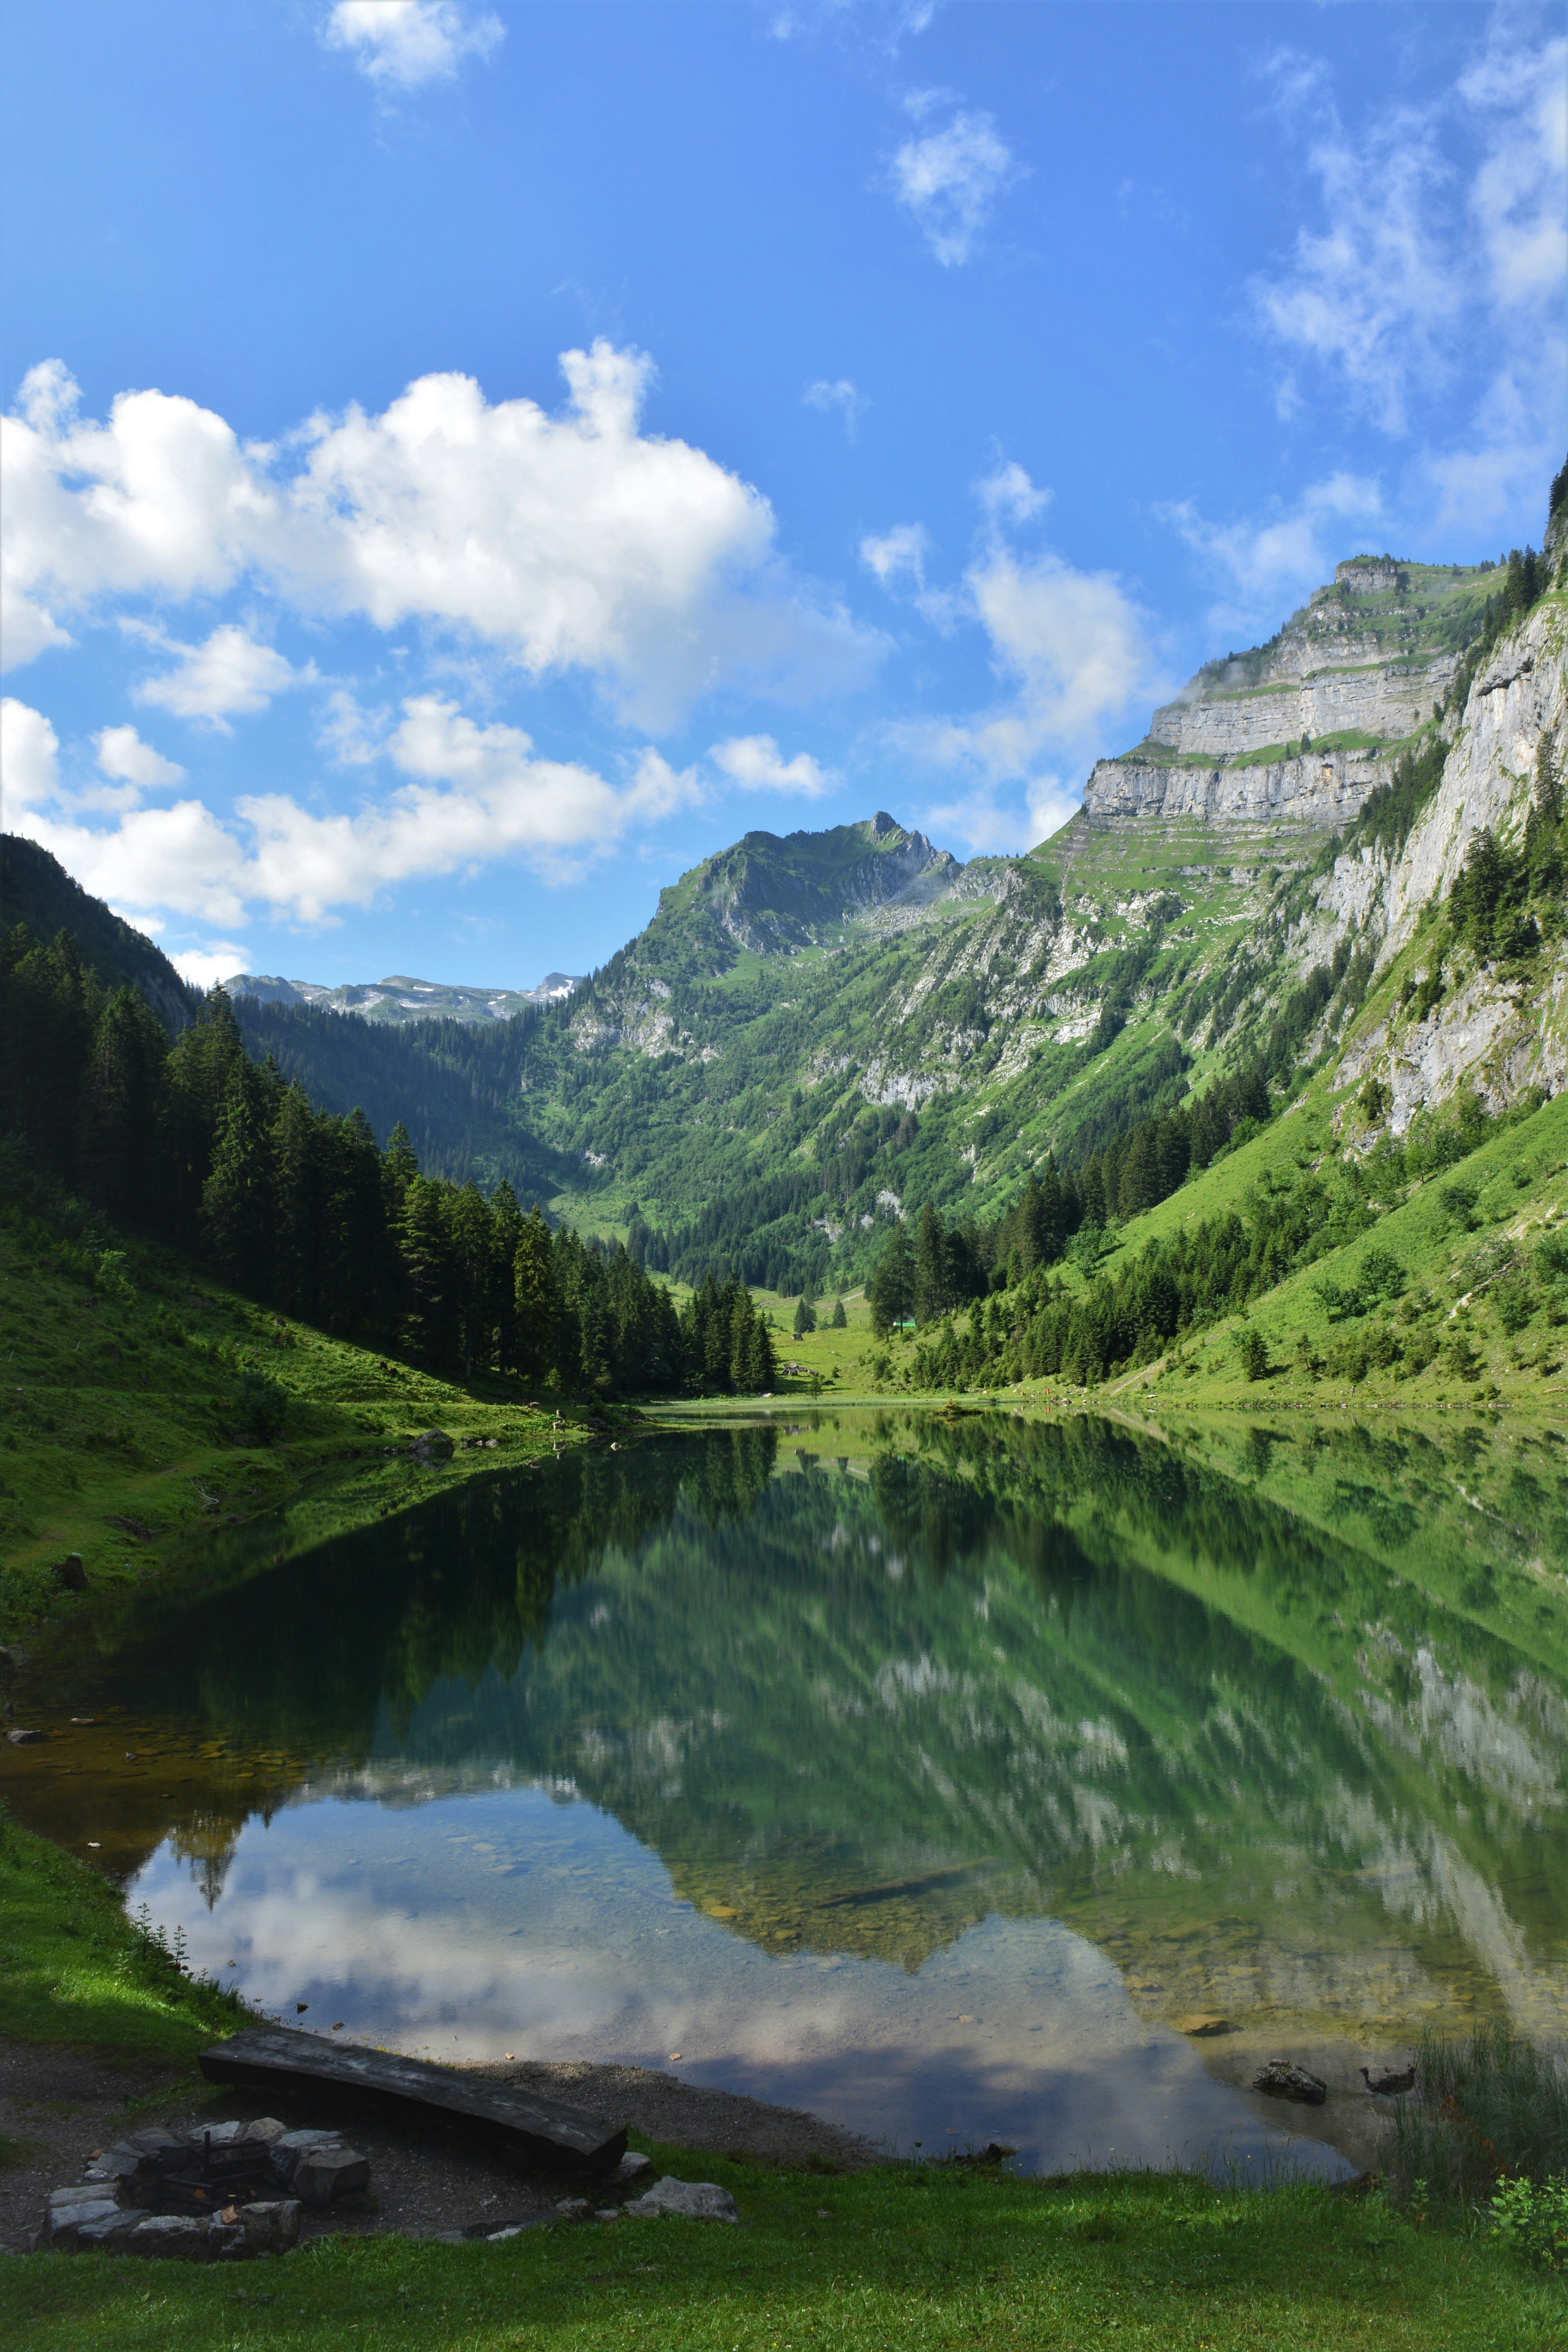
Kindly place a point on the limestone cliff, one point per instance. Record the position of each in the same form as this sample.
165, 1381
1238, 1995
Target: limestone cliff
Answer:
1299, 730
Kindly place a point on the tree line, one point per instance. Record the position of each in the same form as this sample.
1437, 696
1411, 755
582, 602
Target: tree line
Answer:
194, 1143
942, 1268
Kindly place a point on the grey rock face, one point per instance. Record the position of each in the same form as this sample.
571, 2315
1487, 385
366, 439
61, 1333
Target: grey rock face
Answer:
694, 2200
1325, 789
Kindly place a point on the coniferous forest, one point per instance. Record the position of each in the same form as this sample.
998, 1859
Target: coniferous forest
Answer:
191, 1142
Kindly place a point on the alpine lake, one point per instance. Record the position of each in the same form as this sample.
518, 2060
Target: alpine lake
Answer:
960, 1777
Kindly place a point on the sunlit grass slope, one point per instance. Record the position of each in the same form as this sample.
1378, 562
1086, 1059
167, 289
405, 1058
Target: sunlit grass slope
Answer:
143, 1404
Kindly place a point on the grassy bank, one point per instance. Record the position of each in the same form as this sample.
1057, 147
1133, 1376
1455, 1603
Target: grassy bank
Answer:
901, 2256
143, 1407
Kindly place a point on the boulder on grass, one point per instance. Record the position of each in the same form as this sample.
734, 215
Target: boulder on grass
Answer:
695, 2201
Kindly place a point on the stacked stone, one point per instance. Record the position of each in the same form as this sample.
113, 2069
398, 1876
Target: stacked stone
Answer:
114, 2208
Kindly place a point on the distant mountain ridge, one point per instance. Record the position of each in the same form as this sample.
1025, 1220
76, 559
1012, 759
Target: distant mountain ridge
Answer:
401, 998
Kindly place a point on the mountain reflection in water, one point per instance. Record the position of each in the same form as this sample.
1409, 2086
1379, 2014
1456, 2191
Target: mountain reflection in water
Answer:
894, 1765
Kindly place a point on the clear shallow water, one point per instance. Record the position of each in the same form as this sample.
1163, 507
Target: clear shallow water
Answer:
929, 1783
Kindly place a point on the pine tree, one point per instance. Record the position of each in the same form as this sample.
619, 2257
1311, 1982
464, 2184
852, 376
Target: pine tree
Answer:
931, 1265
892, 1291
472, 1246
299, 1206
840, 1322
805, 1318
538, 1306
118, 1132
429, 1332
239, 1199
506, 1231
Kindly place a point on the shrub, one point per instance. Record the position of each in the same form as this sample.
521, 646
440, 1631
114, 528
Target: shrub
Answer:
1531, 2217
263, 1404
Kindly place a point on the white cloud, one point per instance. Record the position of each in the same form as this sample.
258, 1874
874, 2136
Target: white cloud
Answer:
468, 794
950, 178
231, 673
1269, 563
1072, 650
1441, 235
572, 542
400, 45
756, 763
898, 554
843, 395
123, 756
1008, 494
205, 967
30, 760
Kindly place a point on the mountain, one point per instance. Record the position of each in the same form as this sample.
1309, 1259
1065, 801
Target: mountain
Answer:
36, 889
1333, 852
400, 999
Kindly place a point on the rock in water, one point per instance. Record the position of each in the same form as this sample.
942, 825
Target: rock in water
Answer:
1390, 2087
1281, 2080
432, 1444
698, 2200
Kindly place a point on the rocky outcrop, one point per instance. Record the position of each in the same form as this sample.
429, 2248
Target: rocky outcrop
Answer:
1489, 1030
1371, 654
1323, 789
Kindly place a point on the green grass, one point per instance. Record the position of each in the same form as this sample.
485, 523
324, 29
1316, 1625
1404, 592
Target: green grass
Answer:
75, 1970
124, 1431
897, 2257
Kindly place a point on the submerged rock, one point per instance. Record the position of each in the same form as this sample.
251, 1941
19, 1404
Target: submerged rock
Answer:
1281, 2080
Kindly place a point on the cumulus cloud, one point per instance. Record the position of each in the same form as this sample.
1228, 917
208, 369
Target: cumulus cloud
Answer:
756, 763
842, 395
566, 542
1072, 652
30, 760
123, 757
230, 674
466, 794
1440, 235
1267, 563
206, 967
401, 45
950, 178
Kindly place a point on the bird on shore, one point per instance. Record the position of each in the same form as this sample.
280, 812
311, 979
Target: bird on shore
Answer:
1389, 2086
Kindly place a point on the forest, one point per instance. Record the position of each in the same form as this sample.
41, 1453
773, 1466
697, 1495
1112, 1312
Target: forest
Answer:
192, 1142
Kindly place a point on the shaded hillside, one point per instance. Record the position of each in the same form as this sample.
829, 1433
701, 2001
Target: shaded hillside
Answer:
36, 889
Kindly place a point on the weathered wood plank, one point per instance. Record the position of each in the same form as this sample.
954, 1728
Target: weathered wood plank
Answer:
270, 2055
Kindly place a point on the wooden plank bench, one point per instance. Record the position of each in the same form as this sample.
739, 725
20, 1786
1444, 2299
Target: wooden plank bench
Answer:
268, 2057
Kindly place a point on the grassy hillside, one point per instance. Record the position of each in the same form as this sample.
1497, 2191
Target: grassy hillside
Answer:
147, 1409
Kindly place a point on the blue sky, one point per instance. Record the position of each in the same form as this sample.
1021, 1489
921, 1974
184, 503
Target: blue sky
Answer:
465, 460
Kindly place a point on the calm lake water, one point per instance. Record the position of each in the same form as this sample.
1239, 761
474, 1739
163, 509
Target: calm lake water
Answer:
933, 1774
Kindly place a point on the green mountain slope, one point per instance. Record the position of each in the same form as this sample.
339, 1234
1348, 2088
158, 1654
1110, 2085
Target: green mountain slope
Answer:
36, 889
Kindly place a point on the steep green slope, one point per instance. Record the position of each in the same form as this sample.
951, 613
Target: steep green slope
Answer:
36, 889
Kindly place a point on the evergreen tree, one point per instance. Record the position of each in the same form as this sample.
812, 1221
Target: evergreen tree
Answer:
893, 1290
538, 1306
931, 1288
238, 1201
429, 1333
472, 1241
118, 1126
805, 1318
839, 1321
299, 1206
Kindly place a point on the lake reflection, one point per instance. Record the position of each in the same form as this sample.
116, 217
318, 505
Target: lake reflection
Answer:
927, 1773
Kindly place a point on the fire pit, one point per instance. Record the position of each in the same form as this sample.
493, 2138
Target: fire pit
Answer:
218, 2193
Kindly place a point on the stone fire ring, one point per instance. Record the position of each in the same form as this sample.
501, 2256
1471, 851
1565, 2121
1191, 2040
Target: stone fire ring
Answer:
224, 2192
